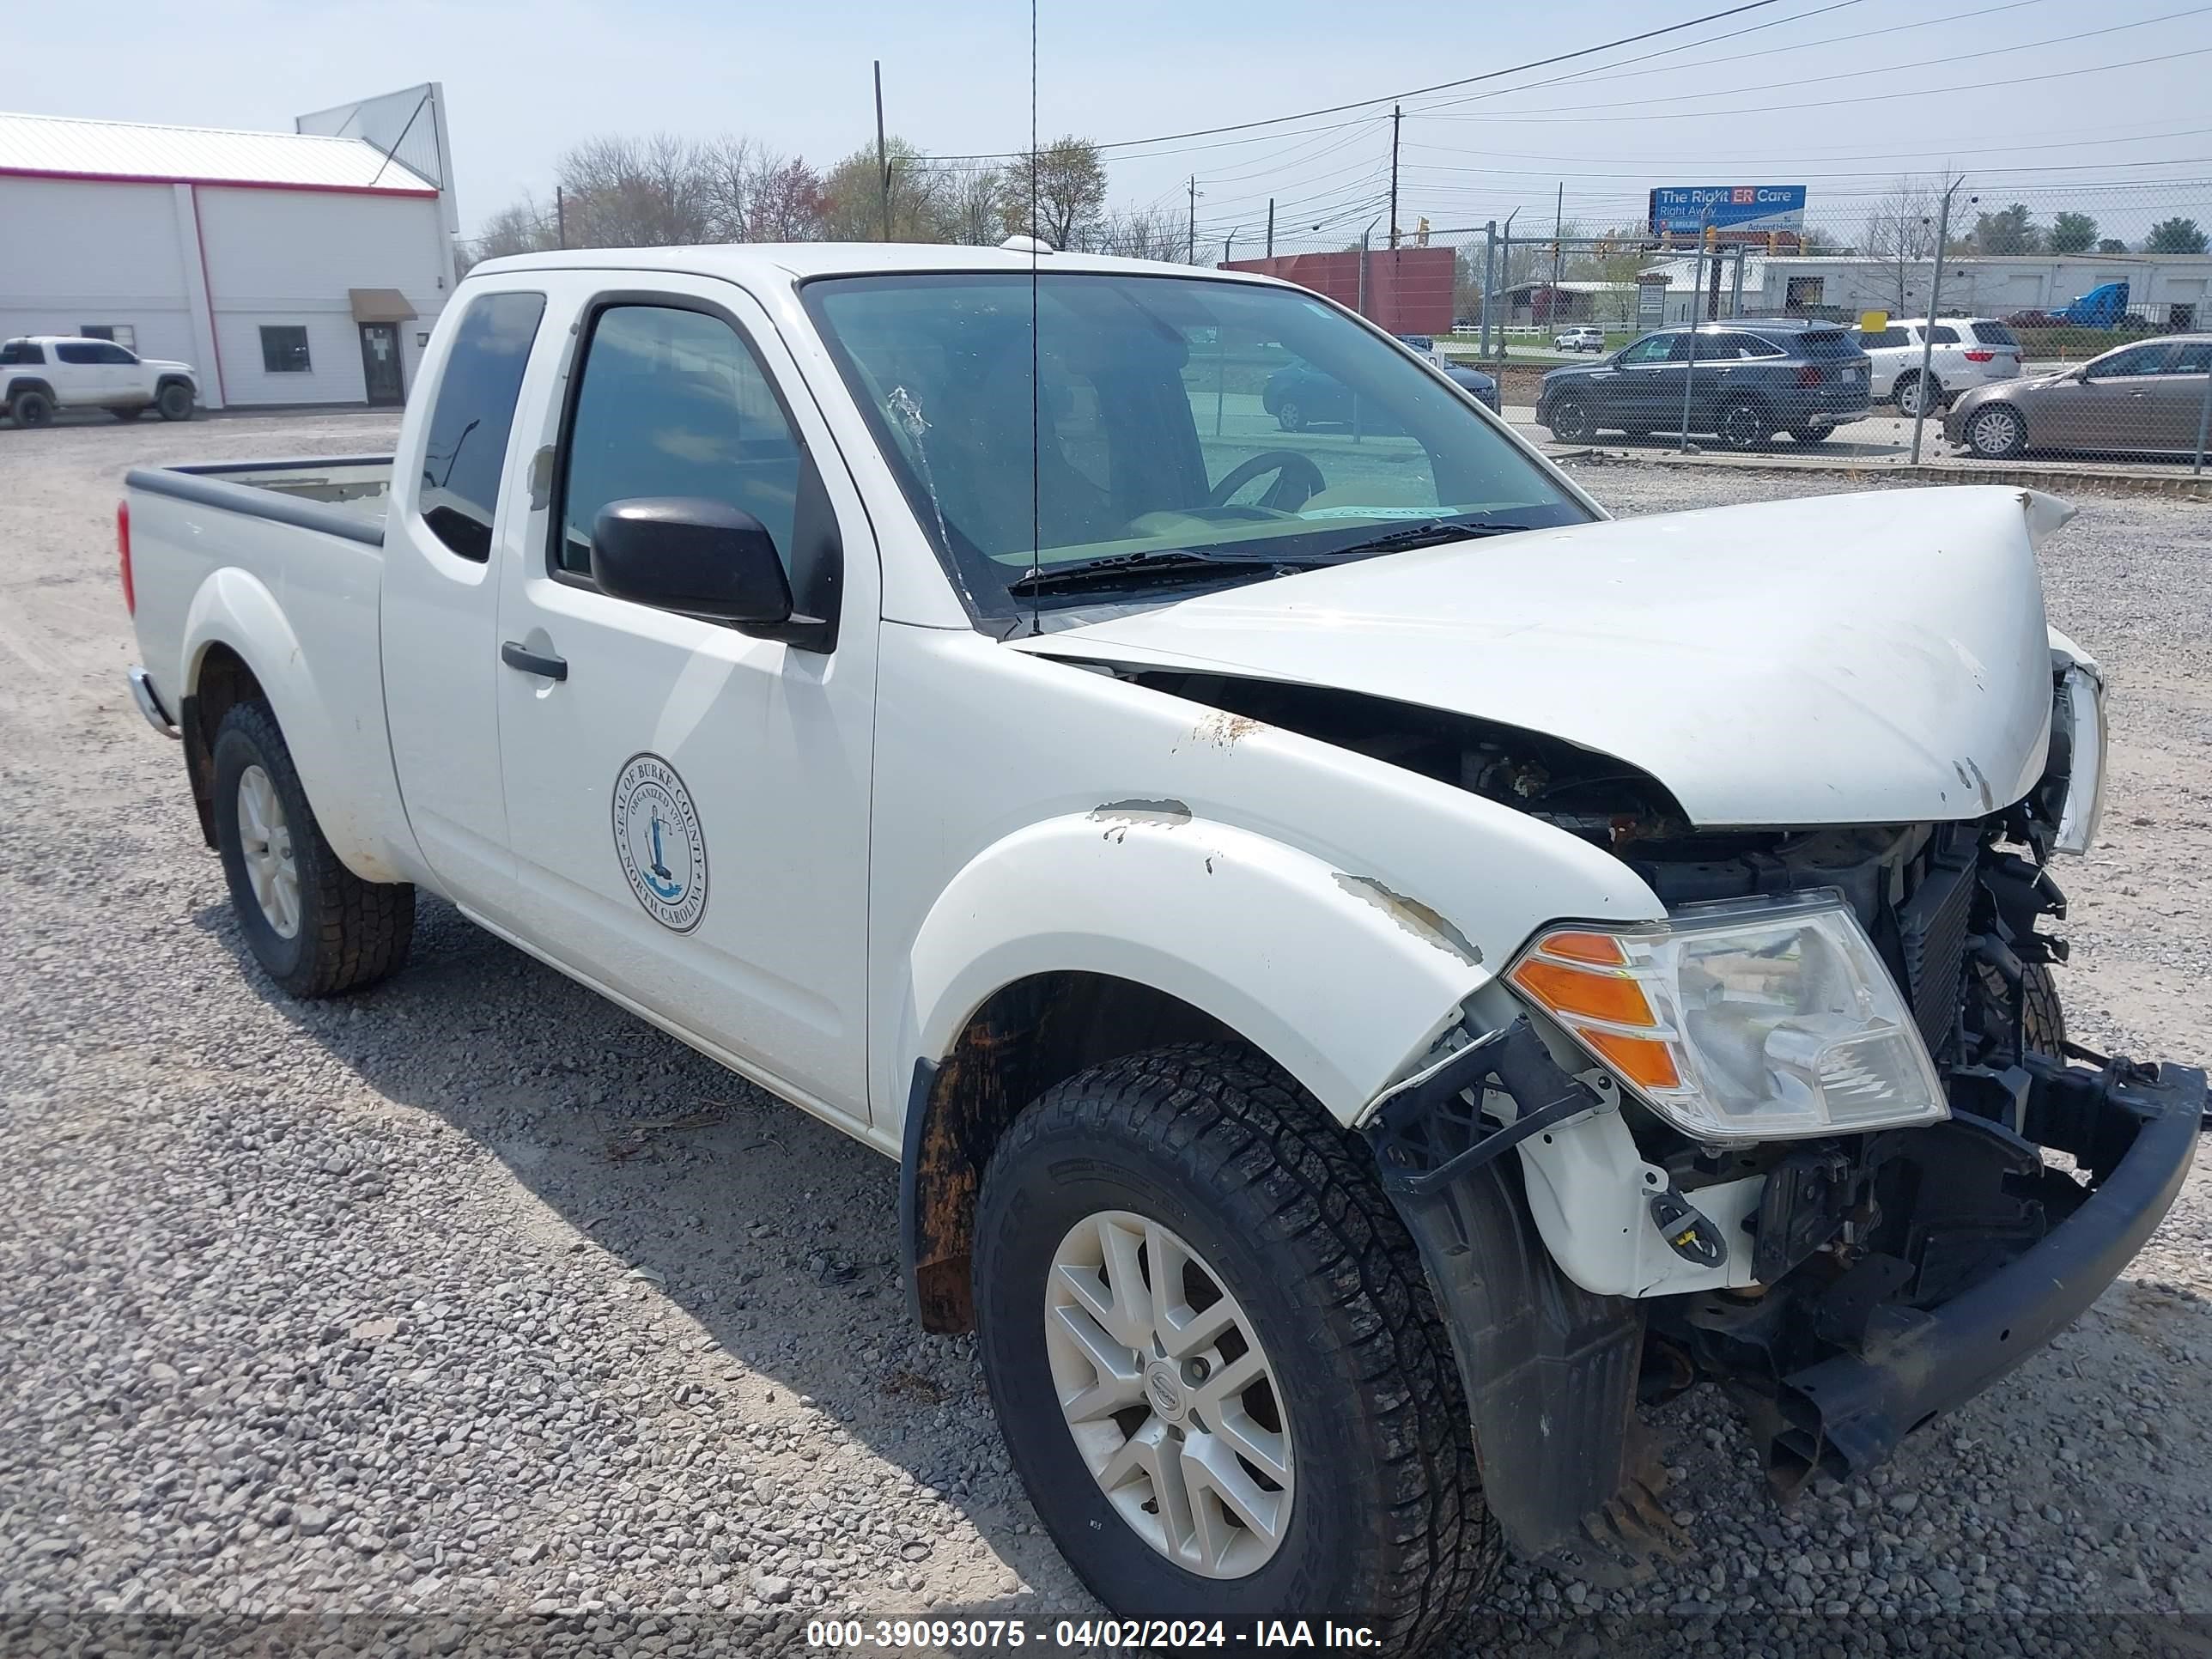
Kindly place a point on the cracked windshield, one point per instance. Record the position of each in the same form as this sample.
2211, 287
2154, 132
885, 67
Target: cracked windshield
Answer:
1184, 431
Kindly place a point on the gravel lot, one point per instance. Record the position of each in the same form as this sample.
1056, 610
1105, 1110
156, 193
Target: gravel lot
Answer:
473, 1311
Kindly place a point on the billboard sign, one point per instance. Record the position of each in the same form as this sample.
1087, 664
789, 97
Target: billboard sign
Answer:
1738, 207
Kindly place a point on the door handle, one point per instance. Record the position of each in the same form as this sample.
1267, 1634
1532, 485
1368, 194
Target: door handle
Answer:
515, 656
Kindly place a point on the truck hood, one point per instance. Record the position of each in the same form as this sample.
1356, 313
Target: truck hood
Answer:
1861, 658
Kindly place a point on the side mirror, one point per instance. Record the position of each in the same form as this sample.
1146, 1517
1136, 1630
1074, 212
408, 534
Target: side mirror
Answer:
699, 557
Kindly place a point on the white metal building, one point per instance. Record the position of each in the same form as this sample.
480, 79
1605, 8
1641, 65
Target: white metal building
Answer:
2159, 284
286, 267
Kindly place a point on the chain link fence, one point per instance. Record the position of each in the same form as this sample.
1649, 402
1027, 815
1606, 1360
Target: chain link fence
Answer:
2067, 322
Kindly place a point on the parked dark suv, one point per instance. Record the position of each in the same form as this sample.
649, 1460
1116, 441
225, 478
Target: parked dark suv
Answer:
1748, 379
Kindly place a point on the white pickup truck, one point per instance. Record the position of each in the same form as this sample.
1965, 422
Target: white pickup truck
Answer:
1375, 972
40, 373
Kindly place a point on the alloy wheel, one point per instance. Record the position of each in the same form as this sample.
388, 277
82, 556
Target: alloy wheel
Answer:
1171, 1400
265, 840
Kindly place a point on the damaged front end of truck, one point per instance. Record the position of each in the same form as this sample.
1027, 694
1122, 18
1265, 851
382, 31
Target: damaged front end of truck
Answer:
1843, 1287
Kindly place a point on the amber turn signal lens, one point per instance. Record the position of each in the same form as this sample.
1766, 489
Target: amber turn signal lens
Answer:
1570, 992
1642, 1060
1599, 948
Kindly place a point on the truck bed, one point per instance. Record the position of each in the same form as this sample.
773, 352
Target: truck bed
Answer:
342, 495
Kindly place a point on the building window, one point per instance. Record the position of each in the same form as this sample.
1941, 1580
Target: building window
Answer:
284, 349
122, 334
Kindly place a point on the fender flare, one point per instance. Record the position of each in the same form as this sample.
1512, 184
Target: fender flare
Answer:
234, 609
1227, 919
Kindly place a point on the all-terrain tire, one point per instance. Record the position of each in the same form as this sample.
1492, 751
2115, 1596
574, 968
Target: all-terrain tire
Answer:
175, 402
349, 933
32, 409
1387, 1527
2043, 1017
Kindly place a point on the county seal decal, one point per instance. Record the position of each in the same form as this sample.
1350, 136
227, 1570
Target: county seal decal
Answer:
657, 839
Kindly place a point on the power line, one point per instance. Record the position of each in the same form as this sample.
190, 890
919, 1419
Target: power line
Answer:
1584, 77
1582, 111
1387, 97
1851, 74
1549, 170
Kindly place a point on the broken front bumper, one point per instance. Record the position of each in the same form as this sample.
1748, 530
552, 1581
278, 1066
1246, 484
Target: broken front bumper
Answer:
2134, 1130
1981, 1254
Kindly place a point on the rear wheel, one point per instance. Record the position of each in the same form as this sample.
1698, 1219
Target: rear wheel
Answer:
1910, 387
315, 927
32, 409
1214, 1357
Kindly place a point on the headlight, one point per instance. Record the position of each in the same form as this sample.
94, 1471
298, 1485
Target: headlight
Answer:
1743, 1020
2082, 695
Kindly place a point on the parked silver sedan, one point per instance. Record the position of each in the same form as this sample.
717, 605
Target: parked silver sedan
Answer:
2144, 397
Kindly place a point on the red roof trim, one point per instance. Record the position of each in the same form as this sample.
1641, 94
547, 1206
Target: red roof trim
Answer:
214, 184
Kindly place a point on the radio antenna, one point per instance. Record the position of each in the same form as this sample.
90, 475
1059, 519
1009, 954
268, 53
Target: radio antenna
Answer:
1036, 441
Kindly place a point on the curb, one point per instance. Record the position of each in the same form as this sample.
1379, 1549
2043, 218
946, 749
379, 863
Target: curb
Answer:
2060, 479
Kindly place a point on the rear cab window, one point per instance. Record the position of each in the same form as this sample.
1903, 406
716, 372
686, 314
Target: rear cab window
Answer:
466, 451
22, 353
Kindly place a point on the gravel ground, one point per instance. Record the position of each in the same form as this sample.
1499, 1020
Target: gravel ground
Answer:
473, 1311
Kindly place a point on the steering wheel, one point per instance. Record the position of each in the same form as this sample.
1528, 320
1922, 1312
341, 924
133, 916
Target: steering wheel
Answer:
1300, 480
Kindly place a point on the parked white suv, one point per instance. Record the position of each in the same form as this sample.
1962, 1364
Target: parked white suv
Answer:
1579, 338
1966, 352
42, 373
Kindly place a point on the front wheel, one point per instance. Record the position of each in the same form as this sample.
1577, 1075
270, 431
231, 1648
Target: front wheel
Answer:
1289, 416
1744, 425
175, 402
315, 927
1570, 420
1215, 1359
1996, 432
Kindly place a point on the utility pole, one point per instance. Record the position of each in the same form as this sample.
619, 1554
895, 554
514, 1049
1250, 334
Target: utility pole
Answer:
561, 216
1559, 214
1489, 270
1935, 288
1226, 239
883, 155
1271, 226
1190, 248
1396, 117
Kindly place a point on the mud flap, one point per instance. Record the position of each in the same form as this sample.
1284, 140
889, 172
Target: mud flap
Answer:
1550, 1370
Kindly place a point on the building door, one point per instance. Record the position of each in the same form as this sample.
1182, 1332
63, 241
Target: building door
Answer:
379, 364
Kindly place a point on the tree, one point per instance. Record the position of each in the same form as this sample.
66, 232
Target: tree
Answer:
2175, 235
521, 226
2110, 244
853, 197
2072, 233
1056, 194
1140, 233
2010, 230
966, 198
1900, 231
758, 194
636, 192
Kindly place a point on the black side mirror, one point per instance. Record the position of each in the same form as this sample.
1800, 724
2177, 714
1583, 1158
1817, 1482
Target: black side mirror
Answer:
699, 557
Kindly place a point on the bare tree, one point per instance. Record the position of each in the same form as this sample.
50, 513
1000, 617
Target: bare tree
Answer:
755, 193
520, 226
966, 197
635, 192
1056, 193
1140, 233
1900, 231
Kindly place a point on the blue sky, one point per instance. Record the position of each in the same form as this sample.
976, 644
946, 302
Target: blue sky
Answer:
525, 77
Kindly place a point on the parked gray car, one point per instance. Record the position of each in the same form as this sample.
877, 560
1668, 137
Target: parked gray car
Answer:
2147, 397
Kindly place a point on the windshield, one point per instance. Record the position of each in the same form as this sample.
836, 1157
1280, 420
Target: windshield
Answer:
1257, 426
